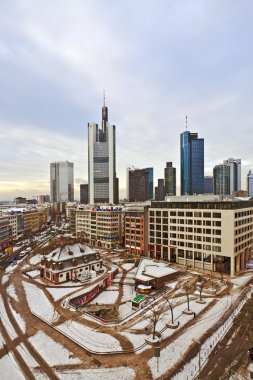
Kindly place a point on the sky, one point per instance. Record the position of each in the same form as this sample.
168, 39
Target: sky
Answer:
157, 61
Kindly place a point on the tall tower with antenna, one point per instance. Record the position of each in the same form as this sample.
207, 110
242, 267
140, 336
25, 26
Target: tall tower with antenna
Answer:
191, 162
103, 184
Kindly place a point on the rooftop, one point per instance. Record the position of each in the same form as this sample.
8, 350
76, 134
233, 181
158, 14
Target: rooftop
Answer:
70, 252
149, 269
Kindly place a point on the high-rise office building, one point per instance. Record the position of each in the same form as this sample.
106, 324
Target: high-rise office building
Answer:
192, 163
170, 179
103, 185
139, 184
62, 181
84, 193
160, 190
208, 185
227, 177
221, 179
250, 184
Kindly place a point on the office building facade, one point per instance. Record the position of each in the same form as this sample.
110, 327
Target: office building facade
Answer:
170, 179
62, 181
227, 177
102, 227
103, 185
136, 230
139, 184
160, 190
208, 185
250, 184
191, 163
84, 193
215, 236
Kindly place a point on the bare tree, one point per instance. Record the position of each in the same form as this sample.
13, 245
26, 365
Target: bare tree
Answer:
154, 314
200, 285
186, 289
172, 303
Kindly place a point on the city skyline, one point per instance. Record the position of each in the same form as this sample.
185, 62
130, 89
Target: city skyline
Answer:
183, 58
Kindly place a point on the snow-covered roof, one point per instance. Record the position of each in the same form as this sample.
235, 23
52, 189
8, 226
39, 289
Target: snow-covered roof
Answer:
149, 269
70, 252
144, 287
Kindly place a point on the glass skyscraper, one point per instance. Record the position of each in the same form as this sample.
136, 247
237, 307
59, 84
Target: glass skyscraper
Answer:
62, 181
250, 184
103, 184
192, 163
227, 177
139, 184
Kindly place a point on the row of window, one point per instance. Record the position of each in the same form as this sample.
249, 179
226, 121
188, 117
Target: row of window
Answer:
242, 230
243, 213
243, 221
244, 245
188, 214
243, 238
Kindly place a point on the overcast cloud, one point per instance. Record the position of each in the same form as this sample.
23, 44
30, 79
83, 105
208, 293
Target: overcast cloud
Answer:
157, 61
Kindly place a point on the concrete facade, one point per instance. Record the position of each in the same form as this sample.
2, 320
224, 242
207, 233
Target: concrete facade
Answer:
216, 236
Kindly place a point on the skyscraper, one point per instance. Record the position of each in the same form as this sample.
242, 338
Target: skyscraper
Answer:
208, 185
160, 190
227, 177
170, 179
103, 185
250, 184
139, 184
84, 193
62, 181
192, 163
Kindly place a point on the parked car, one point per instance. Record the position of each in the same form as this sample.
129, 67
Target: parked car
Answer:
22, 254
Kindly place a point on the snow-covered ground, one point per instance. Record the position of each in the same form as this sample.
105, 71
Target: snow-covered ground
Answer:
12, 292
176, 350
19, 319
39, 303
107, 297
122, 373
58, 293
5, 278
52, 352
33, 273
28, 358
9, 369
2, 341
128, 293
128, 266
5, 319
125, 310
35, 259
10, 268
242, 280
90, 338
137, 340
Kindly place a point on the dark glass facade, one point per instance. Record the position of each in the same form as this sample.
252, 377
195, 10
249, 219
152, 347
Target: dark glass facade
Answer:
140, 184
192, 163
84, 193
170, 179
221, 178
150, 180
